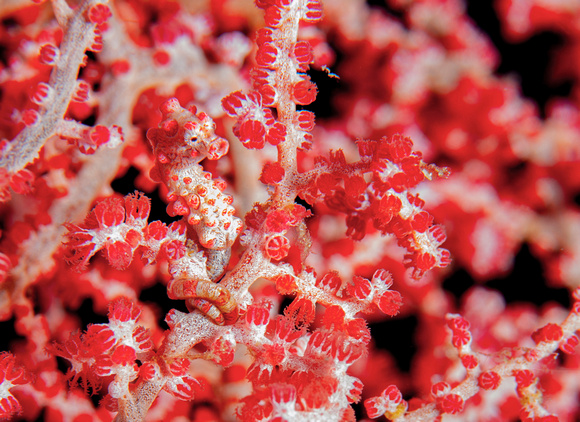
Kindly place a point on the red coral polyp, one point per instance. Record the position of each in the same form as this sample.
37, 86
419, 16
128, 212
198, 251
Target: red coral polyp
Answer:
452, 404
277, 247
390, 302
252, 134
304, 92
123, 310
272, 173
119, 254
489, 380
99, 13
548, 333
110, 212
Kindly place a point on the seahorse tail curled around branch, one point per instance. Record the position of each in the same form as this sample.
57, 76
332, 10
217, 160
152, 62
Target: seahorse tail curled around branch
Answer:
209, 298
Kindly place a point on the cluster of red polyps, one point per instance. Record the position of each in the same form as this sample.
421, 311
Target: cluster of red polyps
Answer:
304, 226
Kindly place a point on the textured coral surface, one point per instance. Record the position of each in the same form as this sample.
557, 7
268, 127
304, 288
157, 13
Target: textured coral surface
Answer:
289, 210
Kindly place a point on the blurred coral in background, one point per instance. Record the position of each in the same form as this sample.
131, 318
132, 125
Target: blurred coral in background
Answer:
289, 210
